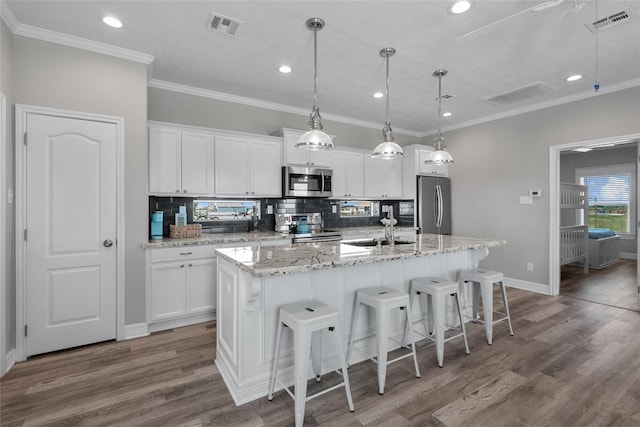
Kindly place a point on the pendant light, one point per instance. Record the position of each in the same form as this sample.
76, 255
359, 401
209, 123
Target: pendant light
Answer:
315, 139
439, 156
387, 149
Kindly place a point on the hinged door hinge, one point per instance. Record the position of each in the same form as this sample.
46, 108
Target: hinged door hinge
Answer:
25, 139
25, 234
26, 330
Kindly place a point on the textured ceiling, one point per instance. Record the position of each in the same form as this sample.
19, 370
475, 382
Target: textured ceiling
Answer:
530, 52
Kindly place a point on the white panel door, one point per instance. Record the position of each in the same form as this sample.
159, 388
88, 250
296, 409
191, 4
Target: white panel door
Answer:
71, 232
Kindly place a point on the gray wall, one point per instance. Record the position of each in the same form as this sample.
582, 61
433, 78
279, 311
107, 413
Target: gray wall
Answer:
56, 76
497, 162
174, 107
8, 168
615, 156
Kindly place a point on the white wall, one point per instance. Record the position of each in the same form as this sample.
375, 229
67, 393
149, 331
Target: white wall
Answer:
51, 75
175, 107
497, 162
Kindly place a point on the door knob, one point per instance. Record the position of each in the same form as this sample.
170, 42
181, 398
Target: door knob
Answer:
107, 243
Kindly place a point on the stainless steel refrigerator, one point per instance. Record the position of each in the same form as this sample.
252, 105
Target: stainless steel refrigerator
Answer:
434, 205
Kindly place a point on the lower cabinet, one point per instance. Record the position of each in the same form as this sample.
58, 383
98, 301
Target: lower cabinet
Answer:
181, 286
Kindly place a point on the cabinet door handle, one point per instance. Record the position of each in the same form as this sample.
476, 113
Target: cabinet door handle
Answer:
181, 265
186, 253
190, 265
177, 191
185, 191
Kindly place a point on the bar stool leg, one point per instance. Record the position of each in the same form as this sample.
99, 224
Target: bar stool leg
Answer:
337, 333
430, 318
464, 331
413, 343
354, 318
382, 334
316, 353
475, 299
281, 326
487, 308
302, 346
506, 306
437, 305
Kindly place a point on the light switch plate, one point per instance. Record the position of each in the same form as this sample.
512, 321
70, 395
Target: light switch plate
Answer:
10, 195
525, 200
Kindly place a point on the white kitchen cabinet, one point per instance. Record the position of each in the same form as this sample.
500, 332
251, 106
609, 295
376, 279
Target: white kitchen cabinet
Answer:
297, 156
348, 174
382, 178
180, 161
413, 164
247, 167
181, 283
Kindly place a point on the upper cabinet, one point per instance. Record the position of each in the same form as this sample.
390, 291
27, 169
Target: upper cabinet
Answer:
297, 156
382, 178
248, 167
413, 164
180, 161
348, 174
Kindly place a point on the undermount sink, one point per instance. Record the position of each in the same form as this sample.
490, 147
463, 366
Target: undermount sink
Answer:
376, 242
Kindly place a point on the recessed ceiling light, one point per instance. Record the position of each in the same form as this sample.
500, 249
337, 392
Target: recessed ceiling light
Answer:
573, 78
112, 21
447, 114
284, 69
378, 95
459, 6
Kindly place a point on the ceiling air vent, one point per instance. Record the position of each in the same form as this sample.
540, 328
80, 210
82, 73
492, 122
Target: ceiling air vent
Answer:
520, 94
611, 21
223, 24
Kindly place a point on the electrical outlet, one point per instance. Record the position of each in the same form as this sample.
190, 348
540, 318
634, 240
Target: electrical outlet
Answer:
334, 209
10, 195
269, 209
529, 266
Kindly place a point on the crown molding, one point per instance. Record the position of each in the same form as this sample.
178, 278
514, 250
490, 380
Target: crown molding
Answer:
8, 17
220, 96
81, 43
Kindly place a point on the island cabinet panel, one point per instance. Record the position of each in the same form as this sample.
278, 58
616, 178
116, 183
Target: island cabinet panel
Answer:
248, 309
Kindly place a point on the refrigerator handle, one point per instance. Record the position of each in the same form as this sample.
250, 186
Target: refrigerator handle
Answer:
438, 206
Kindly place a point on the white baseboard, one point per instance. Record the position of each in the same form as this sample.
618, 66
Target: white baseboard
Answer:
182, 321
136, 330
10, 360
628, 255
539, 288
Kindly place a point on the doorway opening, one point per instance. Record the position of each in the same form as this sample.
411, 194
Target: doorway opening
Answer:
610, 281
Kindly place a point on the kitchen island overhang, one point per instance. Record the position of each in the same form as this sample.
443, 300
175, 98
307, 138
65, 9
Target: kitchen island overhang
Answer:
253, 282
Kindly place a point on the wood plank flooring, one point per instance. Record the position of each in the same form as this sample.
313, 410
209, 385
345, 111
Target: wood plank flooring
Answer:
571, 363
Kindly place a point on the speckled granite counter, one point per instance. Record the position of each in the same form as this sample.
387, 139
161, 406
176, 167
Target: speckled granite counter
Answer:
302, 257
223, 238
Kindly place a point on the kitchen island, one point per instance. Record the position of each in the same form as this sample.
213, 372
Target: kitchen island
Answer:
253, 282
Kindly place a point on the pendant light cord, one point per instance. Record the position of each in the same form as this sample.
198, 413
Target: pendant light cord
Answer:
439, 102
315, 69
596, 85
387, 96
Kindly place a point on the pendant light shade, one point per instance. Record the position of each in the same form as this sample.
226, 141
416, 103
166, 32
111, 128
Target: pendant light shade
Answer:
439, 156
387, 149
315, 138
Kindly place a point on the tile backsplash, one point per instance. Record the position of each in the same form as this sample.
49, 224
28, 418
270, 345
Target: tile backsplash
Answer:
171, 205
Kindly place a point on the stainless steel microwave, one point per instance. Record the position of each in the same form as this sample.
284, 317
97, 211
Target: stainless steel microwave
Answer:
300, 181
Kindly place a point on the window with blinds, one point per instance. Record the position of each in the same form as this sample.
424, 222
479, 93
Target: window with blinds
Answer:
611, 197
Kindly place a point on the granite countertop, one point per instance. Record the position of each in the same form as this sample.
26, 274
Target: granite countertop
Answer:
223, 238
302, 257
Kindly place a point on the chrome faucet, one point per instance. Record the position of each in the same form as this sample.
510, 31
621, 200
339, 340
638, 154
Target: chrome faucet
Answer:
388, 228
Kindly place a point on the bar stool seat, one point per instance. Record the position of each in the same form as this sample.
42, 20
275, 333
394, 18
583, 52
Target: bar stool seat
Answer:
382, 300
307, 320
436, 290
482, 281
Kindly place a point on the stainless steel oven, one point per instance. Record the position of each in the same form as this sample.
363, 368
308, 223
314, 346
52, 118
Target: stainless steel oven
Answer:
300, 181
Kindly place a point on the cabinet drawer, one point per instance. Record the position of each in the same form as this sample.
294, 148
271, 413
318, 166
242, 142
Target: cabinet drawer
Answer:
182, 252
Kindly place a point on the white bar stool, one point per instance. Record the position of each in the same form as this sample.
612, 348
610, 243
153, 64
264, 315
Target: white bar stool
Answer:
382, 300
437, 290
483, 281
307, 320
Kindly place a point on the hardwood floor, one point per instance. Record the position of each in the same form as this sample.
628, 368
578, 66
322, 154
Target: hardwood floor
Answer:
614, 285
571, 363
